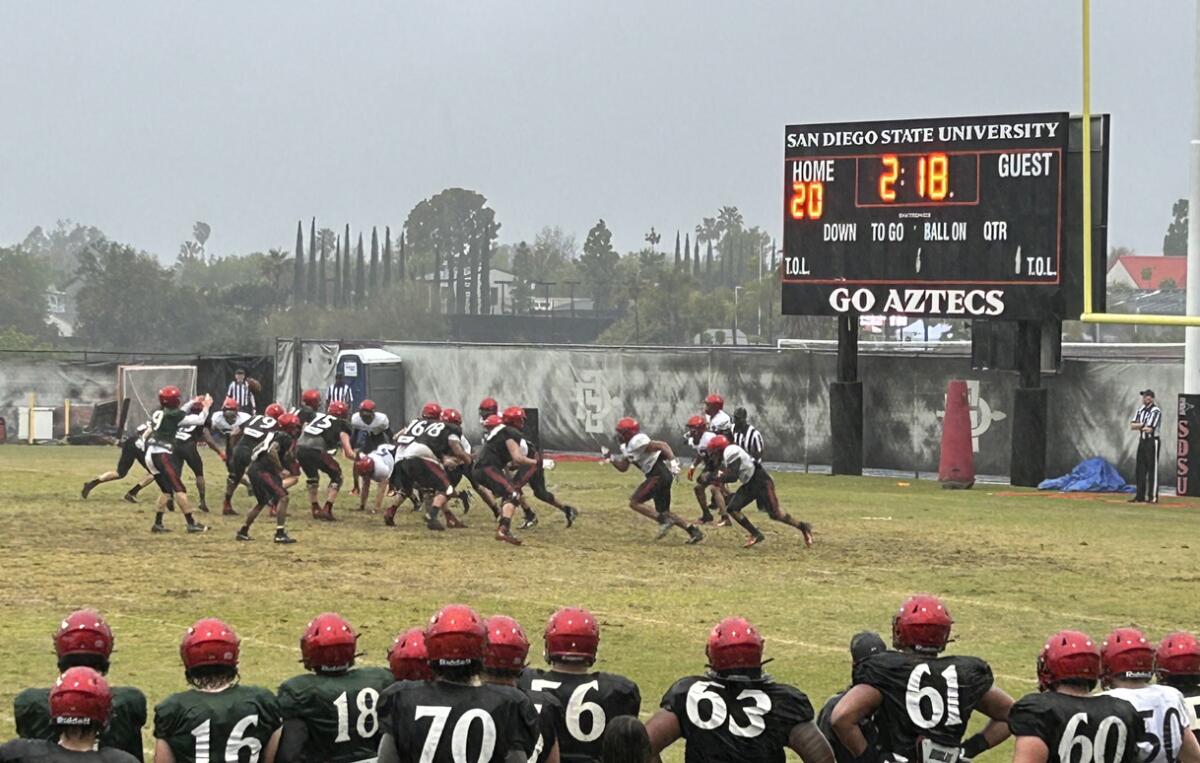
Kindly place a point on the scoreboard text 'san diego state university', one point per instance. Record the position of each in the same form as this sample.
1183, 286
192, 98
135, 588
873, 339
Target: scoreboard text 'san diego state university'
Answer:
960, 217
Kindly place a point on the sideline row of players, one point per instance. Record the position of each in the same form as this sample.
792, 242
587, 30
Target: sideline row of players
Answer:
431, 456
461, 690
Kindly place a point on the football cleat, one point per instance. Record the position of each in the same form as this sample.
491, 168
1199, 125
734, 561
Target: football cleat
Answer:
753, 540
432, 523
723, 522
507, 536
694, 535
664, 527
389, 516
204, 508
87, 487
130, 497
227, 511
281, 536
453, 522
572, 514
531, 521
157, 528
807, 531
197, 528
242, 535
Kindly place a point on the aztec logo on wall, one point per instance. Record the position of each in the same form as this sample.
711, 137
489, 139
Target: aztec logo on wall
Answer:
594, 405
982, 414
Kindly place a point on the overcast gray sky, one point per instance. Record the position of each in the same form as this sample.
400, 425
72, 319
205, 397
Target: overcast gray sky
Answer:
142, 117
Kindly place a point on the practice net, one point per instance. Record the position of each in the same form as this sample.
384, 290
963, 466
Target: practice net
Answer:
140, 385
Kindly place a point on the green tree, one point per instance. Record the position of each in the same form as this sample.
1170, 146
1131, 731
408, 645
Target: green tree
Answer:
373, 280
24, 280
696, 258
59, 248
387, 257
322, 285
274, 265
677, 259
599, 265
441, 230
337, 275
128, 300
347, 286
1175, 242
298, 292
360, 275
525, 272
311, 281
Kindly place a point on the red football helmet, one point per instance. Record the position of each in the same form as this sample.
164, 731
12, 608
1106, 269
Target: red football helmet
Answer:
408, 657
1068, 655
338, 409
209, 642
364, 466
1126, 653
718, 444
274, 411
455, 636
487, 407
169, 397
514, 416
290, 423
431, 411
229, 405
696, 426
493, 421
713, 403
83, 632
311, 398
734, 643
627, 428
329, 643
80, 697
507, 646
451, 416
1178, 655
922, 624
367, 405
572, 635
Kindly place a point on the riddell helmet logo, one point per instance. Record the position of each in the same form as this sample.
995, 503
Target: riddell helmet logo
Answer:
982, 414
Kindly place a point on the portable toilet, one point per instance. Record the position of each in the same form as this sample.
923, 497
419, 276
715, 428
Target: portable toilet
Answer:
376, 375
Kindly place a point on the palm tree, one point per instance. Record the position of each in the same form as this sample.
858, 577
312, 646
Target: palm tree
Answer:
653, 237
708, 230
274, 264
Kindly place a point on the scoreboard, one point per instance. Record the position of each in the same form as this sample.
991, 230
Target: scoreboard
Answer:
959, 217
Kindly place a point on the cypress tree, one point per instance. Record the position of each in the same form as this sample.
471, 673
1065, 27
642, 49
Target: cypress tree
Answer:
322, 292
373, 281
708, 260
347, 299
298, 292
311, 281
360, 275
676, 251
387, 257
337, 273
696, 257
400, 262
687, 253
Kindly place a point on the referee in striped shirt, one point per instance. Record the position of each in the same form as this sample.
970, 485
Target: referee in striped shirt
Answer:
1146, 422
747, 437
340, 390
239, 390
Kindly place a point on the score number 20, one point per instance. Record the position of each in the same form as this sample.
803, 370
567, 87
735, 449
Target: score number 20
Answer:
808, 200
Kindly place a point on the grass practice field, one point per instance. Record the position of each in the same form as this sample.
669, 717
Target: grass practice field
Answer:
1013, 566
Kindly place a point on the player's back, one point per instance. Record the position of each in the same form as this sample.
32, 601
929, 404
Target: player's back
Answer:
323, 432
1166, 716
233, 724
550, 718
31, 712
924, 697
729, 720
445, 722
255, 431
589, 701
341, 712
1191, 697
1076, 729
495, 446
43, 751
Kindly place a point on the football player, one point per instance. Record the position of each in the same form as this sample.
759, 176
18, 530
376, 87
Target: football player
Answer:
487, 407
656, 461
408, 658
458, 470
371, 429
83, 639
714, 413
318, 440
160, 458
862, 646
241, 444
228, 421
310, 405
504, 657
1177, 663
274, 456
133, 449
218, 718
922, 700
534, 475
572, 638
454, 718
1126, 668
1064, 722
330, 714
80, 706
187, 450
426, 443
376, 467
501, 450
709, 493
736, 465
736, 712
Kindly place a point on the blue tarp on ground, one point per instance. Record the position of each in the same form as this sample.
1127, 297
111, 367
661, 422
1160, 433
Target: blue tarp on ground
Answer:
1092, 476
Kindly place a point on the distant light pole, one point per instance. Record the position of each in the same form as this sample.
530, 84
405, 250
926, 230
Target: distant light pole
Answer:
547, 284
502, 284
572, 284
736, 289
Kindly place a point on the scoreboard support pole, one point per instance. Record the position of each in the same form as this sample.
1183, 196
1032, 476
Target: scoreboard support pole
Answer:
1030, 407
846, 402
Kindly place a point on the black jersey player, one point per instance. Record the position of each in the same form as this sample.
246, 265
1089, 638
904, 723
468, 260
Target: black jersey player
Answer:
425, 444
454, 718
331, 713
270, 463
218, 718
133, 451
501, 450
80, 705
1064, 722
590, 698
736, 712
534, 475
162, 460
922, 700
242, 444
504, 657
83, 639
324, 435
